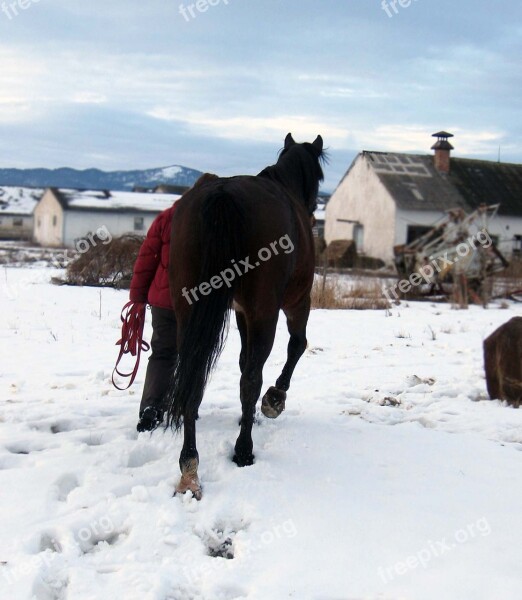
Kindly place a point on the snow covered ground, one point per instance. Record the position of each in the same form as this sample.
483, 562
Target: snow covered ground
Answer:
389, 476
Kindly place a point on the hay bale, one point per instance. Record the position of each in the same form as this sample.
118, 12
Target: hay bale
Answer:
369, 262
340, 254
503, 362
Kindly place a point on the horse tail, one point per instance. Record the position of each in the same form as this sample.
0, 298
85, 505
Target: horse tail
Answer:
222, 241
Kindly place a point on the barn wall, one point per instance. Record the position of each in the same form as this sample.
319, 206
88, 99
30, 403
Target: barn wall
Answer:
505, 228
48, 232
79, 224
362, 197
10, 231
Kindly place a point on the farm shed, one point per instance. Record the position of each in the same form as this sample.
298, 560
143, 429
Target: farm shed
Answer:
64, 215
387, 199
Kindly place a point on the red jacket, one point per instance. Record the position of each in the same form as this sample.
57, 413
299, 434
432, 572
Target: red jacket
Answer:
150, 279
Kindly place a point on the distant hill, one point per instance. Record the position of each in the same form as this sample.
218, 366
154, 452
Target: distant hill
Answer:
95, 179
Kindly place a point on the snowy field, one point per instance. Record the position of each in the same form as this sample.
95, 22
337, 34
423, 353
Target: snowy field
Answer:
389, 476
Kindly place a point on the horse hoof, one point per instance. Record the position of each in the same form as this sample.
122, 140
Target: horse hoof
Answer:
243, 460
149, 419
197, 494
189, 481
273, 403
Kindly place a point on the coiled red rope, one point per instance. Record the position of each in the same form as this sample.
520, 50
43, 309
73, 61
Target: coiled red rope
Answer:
131, 342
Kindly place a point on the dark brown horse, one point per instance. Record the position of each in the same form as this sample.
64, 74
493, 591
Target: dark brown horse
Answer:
243, 243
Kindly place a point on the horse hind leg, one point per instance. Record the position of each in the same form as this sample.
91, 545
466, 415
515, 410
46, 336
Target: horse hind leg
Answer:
260, 342
274, 401
242, 328
189, 462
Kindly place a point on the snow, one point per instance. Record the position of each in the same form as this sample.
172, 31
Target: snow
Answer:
390, 476
170, 172
17, 200
98, 199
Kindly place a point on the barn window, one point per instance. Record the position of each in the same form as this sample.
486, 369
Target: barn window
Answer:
55, 220
358, 237
17, 222
517, 245
139, 224
414, 232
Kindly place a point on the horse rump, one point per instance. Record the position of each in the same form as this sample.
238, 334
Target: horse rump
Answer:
202, 335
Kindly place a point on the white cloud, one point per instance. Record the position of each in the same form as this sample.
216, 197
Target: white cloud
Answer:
303, 127
89, 98
415, 138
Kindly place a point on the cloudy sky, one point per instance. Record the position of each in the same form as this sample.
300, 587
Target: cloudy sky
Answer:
120, 84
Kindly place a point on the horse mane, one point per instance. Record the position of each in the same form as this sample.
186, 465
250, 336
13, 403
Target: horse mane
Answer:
298, 169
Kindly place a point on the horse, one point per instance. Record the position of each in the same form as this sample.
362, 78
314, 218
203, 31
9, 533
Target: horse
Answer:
243, 243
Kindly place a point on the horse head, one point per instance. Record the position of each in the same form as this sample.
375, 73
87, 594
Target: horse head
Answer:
299, 169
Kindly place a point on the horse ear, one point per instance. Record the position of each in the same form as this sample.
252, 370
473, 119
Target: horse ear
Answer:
318, 144
289, 141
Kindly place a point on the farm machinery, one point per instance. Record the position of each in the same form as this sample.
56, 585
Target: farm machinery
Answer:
454, 259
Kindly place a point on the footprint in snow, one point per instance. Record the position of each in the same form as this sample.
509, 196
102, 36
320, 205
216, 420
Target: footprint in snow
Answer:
23, 448
64, 486
94, 439
50, 587
99, 534
67, 425
52, 581
61, 426
49, 541
219, 540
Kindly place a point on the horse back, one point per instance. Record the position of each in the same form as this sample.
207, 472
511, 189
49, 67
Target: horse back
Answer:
270, 222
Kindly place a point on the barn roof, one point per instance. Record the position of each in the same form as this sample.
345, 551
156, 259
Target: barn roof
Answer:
415, 184
19, 201
486, 182
104, 200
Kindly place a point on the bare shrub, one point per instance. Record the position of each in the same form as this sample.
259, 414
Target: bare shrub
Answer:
106, 264
361, 294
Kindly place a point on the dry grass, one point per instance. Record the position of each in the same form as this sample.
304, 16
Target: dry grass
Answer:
361, 294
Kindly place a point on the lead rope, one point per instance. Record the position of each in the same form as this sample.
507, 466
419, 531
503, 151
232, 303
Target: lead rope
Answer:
131, 342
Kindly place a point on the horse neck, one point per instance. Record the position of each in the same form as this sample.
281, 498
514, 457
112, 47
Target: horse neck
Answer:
293, 185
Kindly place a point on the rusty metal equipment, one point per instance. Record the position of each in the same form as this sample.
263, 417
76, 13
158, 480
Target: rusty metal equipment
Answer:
455, 257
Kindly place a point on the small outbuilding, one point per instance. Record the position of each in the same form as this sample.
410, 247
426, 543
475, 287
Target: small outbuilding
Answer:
17, 205
64, 216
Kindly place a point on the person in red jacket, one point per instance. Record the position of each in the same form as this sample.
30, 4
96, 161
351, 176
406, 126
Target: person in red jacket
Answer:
150, 284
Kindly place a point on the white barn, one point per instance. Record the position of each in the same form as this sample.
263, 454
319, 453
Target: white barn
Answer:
17, 205
387, 199
64, 216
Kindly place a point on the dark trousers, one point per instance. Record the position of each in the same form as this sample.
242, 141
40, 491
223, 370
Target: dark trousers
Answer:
162, 360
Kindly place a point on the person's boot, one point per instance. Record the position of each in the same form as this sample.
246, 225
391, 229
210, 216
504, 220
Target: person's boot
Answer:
150, 418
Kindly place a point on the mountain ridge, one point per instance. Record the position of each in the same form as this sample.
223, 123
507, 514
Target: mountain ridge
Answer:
93, 178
